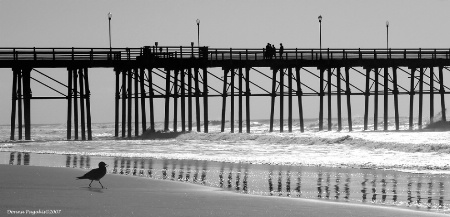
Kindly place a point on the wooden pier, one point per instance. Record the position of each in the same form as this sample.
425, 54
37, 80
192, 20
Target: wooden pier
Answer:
186, 70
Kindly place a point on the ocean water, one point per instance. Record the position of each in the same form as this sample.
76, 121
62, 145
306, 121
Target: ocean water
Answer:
405, 169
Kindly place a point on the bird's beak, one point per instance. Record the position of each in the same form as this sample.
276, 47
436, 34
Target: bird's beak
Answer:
106, 165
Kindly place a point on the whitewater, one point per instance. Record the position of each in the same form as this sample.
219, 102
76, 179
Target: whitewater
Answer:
411, 151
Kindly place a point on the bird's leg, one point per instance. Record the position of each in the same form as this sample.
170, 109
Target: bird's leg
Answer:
90, 183
100, 183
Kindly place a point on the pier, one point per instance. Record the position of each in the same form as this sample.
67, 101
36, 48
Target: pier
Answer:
186, 74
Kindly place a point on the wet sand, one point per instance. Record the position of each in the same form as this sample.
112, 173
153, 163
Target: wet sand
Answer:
55, 190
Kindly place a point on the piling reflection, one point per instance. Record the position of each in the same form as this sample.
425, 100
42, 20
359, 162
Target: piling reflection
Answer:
417, 191
19, 158
73, 162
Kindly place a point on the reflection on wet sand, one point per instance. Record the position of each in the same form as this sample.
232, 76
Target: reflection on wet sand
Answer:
72, 161
418, 191
19, 158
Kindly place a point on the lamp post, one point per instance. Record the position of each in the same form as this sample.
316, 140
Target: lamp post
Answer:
387, 35
109, 19
198, 32
320, 35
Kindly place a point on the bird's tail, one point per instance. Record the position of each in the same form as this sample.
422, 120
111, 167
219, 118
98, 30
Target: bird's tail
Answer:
81, 177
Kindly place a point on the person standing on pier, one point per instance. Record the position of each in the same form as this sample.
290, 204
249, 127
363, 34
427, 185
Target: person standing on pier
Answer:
267, 53
273, 52
281, 50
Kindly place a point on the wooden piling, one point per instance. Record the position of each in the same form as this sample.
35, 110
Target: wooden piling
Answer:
386, 102
272, 107
20, 102
247, 98
13, 104
411, 100
366, 101
442, 92
75, 103
375, 98
224, 99
124, 101
69, 104
397, 118
27, 104
299, 99
167, 101
281, 100
183, 101
82, 106
175, 100
232, 101
129, 101
205, 100
150, 99
420, 98
116, 104
240, 99
88, 103
290, 99
197, 99
431, 95
321, 93
348, 93
339, 110
329, 99
143, 96
136, 101
189, 99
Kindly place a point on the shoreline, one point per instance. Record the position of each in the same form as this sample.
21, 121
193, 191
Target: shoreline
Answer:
426, 193
46, 188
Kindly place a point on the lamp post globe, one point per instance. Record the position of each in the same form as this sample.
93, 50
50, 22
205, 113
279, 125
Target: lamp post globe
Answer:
320, 34
109, 22
198, 32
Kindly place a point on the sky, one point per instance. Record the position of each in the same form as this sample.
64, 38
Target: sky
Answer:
224, 24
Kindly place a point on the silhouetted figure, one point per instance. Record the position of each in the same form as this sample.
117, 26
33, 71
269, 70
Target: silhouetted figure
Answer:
273, 52
267, 52
95, 174
281, 51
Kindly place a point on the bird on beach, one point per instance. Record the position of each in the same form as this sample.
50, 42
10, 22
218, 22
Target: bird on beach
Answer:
95, 174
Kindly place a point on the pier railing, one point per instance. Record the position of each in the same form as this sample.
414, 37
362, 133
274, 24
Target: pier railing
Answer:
214, 54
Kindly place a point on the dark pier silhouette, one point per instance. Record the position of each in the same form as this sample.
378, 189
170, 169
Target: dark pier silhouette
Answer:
186, 75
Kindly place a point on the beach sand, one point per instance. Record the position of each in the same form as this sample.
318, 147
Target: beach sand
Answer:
30, 189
